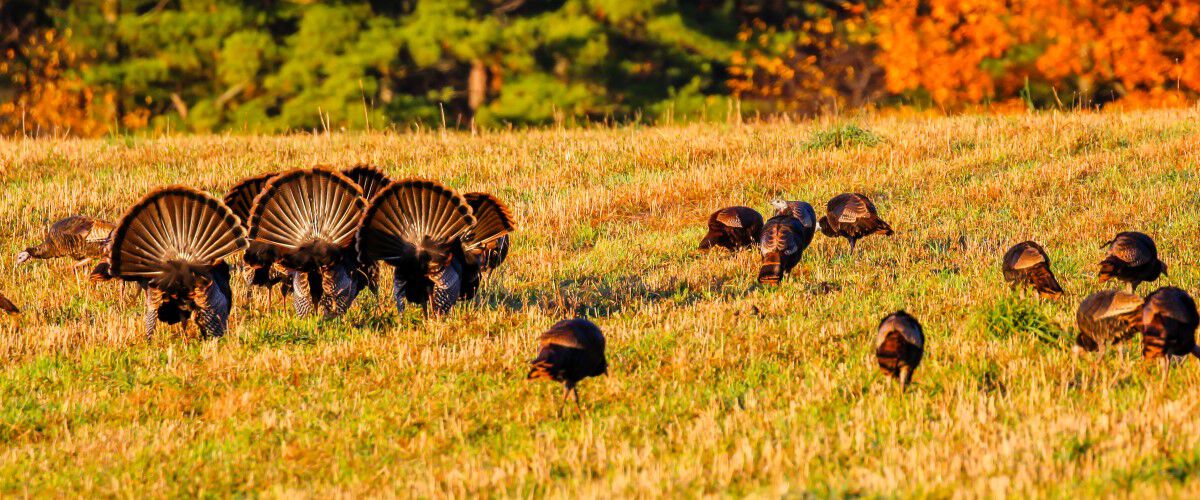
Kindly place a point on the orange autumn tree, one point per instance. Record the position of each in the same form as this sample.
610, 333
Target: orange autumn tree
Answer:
1060, 52
50, 97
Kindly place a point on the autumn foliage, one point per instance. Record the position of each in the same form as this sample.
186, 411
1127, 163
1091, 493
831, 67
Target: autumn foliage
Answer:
87, 69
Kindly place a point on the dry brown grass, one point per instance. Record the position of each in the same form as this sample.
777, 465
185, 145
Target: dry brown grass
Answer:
704, 396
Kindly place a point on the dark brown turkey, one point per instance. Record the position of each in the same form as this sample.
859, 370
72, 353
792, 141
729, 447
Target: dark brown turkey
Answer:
899, 346
569, 352
433, 238
372, 180
240, 200
7, 306
173, 243
79, 237
1169, 322
305, 221
491, 217
784, 239
1107, 317
733, 228
1133, 258
1026, 264
852, 216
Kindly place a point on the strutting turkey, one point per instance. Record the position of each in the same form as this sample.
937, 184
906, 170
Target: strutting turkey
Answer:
899, 346
173, 243
240, 199
1133, 258
371, 180
1107, 317
733, 228
431, 236
79, 237
1026, 264
485, 251
785, 237
852, 216
305, 221
569, 352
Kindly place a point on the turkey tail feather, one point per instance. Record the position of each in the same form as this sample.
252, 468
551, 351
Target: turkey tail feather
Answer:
369, 178
410, 218
171, 232
493, 219
240, 197
306, 215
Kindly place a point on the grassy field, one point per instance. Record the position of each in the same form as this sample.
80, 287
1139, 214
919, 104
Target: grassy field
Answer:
716, 385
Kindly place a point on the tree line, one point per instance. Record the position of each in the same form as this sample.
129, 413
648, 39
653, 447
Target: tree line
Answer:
90, 67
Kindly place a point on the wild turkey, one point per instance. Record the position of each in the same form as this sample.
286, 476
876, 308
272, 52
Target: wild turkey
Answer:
1133, 258
569, 352
899, 346
429, 233
1169, 321
240, 200
7, 306
784, 239
173, 244
305, 221
491, 217
79, 237
1107, 317
852, 216
733, 228
1027, 265
369, 178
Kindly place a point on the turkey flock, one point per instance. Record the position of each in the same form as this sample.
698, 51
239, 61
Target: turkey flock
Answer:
320, 235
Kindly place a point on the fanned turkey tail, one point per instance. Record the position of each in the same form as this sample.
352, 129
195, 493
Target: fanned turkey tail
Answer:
306, 220
174, 242
486, 245
418, 226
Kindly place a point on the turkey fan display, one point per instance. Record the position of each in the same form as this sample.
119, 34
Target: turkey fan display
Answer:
1107, 317
852, 216
733, 228
240, 199
369, 178
1132, 258
784, 238
305, 221
1027, 265
569, 352
1169, 322
173, 244
485, 254
899, 346
79, 237
430, 234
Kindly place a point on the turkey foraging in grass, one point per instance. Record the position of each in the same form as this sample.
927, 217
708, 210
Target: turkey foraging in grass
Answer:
1107, 317
852, 216
1169, 322
430, 235
784, 239
305, 221
1133, 258
1027, 265
899, 346
492, 218
79, 237
173, 243
569, 352
732, 228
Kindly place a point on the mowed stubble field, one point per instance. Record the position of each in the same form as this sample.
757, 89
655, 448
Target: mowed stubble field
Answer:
715, 385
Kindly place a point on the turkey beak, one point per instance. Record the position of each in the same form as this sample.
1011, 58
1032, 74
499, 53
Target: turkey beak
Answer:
23, 257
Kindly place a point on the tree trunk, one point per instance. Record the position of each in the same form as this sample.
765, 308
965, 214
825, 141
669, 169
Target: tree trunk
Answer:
477, 85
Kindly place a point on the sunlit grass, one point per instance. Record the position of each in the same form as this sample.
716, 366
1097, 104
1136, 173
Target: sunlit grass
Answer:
716, 384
